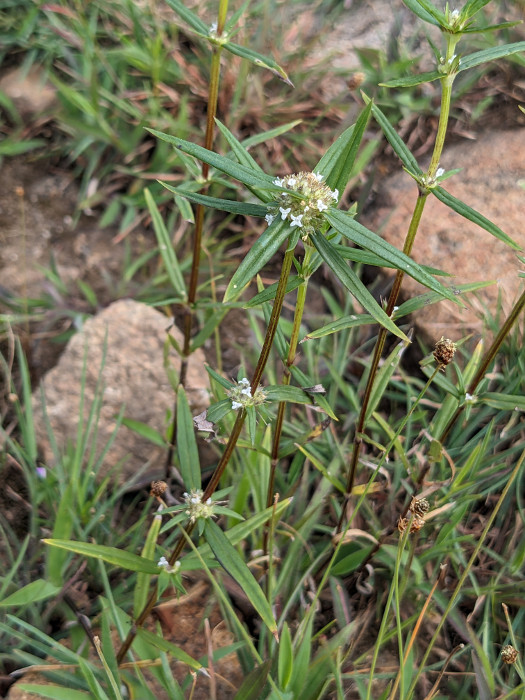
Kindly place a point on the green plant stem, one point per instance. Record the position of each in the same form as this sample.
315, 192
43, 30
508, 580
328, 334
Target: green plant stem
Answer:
446, 95
287, 375
232, 442
213, 92
488, 359
465, 573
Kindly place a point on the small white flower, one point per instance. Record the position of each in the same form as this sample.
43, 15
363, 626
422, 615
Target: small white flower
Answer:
244, 381
321, 205
440, 172
209, 502
278, 181
319, 177
454, 14
236, 405
269, 219
284, 212
297, 221
291, 181
335, 195
247, 392
213, 28
163, 563
469, 398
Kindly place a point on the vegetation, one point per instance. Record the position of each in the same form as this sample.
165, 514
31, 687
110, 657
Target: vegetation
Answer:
370, 512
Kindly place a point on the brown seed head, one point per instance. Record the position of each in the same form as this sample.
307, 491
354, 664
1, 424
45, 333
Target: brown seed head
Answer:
419, 506
416, 524
444, 352
158, 488
509, 654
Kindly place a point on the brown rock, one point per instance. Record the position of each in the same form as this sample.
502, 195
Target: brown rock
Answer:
132, 377
29, 90
491, 183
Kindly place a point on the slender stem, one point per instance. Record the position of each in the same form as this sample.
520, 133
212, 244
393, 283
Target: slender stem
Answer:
487, 360
446, 95
223, 462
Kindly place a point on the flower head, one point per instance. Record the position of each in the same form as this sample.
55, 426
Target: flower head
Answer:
444, 352
304, 210
242, 397
197, 508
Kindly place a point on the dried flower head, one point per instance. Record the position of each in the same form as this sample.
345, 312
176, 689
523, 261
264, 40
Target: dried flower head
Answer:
509, 655
415, 523
444, 352
158, 488
304, 211
419, 506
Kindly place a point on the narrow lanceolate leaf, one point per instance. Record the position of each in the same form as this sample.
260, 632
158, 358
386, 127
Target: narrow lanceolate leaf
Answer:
472, 215
239, 149
341, 324
505, 402
354, 285
33, 592
117, 557
166, 247
260, 253
412, 80
412, 305
292, 394
186, 443
225, 165
475, 59
417, 8
230, 205
168, 647
396, 142
337, 163
54, 692
231, 561
269, 293
141, 590
189, 17
369, 240
258, 60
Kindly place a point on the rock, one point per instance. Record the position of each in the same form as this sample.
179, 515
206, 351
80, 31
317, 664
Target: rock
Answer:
133, 376
491, 182
29, 90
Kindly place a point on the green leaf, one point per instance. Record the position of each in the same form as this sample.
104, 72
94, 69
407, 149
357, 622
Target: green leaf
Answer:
422, 300
239, 149
337, 163
219, 378
475, 59
285, 660
141, 591
166, 247
265, 136
189, 17
419, 9
396, 142
260, 253
367, 258
291, 394
217, 411
169, 648
186, 443
253, 683
369, 240
230, 205
504, 402
352, 282
412, 80
341, 324
146, 431
383, 377
269, 293
112, 555
62, 530
229, 558
239, 172
32, 593
472, 215
10, 147
258, 60
54, 692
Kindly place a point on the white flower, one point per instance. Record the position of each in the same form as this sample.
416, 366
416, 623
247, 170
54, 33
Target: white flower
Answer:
440, 172
319, 177
454, 14
236, 405
469, 398
291, 181
321, 205
335, 195
297, 220
284, 212
278, 181
269, 219
163, 563
244, 381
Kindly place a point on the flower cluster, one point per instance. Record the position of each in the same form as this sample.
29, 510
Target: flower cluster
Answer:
242, 397
163, 563
196, 507
304, 211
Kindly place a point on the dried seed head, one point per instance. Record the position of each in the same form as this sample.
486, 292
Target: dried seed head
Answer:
509, 655
444, 352
402, 524
416, 524
419, 506
158, 488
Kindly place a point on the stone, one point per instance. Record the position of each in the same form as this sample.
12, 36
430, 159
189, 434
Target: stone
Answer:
123, 346
491, 182
29, 90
